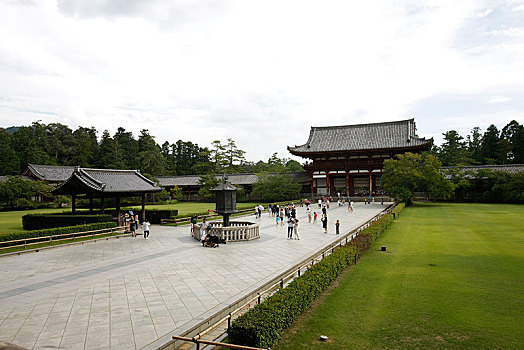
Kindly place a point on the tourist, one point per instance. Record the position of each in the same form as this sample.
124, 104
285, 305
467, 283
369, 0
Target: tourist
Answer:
281, 217
295, 230
145, 227
194, 220
260, 210
324, 222
132, 226
308, 211
269, 210
324, 210
278, 219
315, 217
203, 229
293, 212
290, 227
337, 227
327, 203
351, 204
320, 203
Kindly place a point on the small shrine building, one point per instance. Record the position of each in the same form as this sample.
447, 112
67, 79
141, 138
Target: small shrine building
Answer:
349, 158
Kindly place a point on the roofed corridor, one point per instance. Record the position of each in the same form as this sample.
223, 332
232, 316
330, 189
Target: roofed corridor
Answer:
132, 293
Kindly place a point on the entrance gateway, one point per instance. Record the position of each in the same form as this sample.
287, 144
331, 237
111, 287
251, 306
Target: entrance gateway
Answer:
349, 158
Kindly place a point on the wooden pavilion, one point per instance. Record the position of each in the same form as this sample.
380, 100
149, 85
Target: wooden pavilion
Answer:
349, 159
106, 183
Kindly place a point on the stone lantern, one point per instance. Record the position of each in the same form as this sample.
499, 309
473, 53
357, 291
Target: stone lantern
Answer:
226, 202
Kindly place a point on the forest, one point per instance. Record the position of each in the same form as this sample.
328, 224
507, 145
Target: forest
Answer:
57, 144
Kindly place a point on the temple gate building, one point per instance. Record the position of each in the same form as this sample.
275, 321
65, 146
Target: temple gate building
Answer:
349, 158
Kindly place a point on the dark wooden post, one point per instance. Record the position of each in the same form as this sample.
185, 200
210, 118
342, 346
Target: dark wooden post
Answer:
370, 183
143, 207
91, 203
73, 203
118, 213
347, 183
102, 204
327, 183
312, 183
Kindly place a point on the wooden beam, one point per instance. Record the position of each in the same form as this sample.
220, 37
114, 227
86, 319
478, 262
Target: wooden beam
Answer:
143, 207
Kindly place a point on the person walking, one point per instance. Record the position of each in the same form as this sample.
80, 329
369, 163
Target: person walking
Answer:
290, 227
282, 217
132, 226
193, 224
315, 217
324, 222
337, 227
295, 229
308, 211
351, 205
278, 219
145, 227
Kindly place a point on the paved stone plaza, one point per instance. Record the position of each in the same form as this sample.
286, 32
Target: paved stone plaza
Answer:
132, 293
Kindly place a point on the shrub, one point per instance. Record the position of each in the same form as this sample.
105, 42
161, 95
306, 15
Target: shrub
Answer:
55, 231
155, 215
262, 325
397, 209
43, 221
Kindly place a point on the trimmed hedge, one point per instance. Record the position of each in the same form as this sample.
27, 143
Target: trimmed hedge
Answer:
55, 231
154, 216
262, 325
397, 209
44, 221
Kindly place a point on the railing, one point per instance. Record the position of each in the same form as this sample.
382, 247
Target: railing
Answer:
268, 289
237, 231
187, 219
49, 240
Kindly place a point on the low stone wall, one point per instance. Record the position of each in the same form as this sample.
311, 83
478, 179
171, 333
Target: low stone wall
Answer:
238, 231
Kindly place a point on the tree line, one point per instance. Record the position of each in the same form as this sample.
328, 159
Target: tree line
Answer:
57, 144
491, 147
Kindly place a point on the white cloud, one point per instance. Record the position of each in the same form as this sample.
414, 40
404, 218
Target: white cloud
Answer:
261, 72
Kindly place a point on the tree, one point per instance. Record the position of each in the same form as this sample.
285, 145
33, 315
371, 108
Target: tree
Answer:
128, 148
8, 158
149, 154
273, 188
110, 156
218, 156
233, 154
453, 151
85, 147
490, 149
512, 143
473, 142
207, 182
16, 192
411, 173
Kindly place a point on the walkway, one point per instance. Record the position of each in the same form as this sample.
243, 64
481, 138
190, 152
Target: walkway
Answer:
132, 293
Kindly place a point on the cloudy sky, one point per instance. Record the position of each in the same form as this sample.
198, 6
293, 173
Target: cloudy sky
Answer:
260, 72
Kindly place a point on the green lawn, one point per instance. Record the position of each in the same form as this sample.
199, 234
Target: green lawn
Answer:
11, 221
453, 278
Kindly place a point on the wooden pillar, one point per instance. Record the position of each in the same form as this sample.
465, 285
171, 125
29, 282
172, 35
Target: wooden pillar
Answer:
102, 204
374, 187
91, 203
347, 183
370, 183
312, 184
118, 212
143, 207
73, 203
327, 183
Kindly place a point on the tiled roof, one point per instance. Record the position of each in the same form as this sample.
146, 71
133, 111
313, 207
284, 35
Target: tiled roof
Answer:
398, 134
505, 168
53, 173
108, 181
234, 179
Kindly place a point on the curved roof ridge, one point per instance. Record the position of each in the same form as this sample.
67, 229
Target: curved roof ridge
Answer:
412, 120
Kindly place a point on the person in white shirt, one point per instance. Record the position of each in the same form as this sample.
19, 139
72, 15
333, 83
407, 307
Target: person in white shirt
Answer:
145, 227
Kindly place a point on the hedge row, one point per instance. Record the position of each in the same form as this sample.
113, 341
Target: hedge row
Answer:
55, 231
262, 325
44, 221
397, 209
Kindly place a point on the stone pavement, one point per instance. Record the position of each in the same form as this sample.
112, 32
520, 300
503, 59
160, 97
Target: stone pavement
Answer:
132, 293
